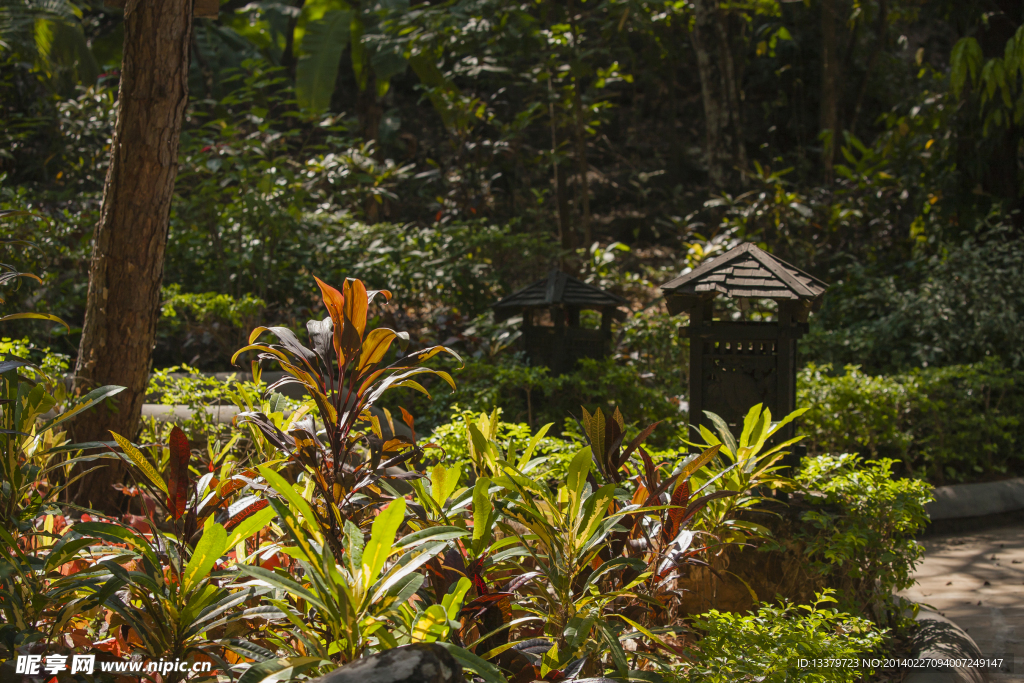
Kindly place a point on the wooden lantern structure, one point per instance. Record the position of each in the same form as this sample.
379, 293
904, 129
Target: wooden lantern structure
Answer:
552, 335
735, 365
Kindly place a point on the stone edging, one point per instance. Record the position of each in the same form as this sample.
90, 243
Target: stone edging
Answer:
940, 638
977, 500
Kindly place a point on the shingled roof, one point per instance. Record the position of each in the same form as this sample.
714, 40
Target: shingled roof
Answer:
745, 271
557, 288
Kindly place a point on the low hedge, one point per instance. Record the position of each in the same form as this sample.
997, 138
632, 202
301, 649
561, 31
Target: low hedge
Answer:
950, 424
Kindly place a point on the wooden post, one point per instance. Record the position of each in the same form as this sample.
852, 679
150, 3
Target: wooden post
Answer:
697, 332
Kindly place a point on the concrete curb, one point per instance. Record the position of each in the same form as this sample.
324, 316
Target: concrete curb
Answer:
977, 500
164, 413
940, 638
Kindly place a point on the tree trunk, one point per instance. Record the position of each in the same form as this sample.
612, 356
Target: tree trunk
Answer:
579, 133
128, 249
829, 85
881, 29
566, 234
720, 91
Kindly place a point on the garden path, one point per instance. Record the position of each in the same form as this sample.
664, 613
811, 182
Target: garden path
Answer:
976, 578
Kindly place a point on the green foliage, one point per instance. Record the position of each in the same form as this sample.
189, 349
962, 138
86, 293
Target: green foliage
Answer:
747, 466
860, 534
960, 305
768, 645
998, 80
955, 423
532, 395
209, 325
50, 364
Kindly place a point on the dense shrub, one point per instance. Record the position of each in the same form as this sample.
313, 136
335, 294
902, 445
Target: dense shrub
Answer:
859, 531
768, 645
960, 304
956, 423
533, 396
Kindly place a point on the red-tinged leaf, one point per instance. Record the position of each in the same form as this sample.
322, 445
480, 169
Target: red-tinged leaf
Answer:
335, 304
635, 443
246, 512
177, 473
408, 420
477, 607
650, 471
680, 497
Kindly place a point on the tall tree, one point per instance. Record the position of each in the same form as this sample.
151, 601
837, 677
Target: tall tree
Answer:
127, 264
720, 91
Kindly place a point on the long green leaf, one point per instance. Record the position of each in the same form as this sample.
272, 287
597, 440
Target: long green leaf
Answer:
382, 537
317, 70
298, 503
140, 461
210, 547
250, 526
288, 585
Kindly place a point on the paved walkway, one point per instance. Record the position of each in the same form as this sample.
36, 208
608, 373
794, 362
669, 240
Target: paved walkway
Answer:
977, 580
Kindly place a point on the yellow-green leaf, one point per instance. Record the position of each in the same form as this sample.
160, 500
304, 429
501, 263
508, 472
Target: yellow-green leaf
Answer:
140, 461
210, 547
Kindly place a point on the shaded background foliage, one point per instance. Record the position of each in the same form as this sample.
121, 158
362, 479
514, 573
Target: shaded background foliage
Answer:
454, 150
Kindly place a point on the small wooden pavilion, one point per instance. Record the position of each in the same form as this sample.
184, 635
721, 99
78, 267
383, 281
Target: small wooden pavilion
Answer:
737, 364
552, 335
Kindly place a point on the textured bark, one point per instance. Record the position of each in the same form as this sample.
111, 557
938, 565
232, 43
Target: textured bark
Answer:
128, 246
720, 91
829, 85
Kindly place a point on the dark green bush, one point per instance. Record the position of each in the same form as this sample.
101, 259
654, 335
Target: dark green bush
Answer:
951, 424
960, 304
533, 396
859, 532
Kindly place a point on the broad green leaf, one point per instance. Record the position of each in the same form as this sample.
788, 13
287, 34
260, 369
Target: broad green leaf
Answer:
748, 425
723, 431
382, 537
434, 533
281, 669
452, 602
576, 478
532, 446
443, 483
249, 526
596, 509
210, 547
316, 72
430, 625
482, 508
287, 584
468, 660
550, 661
298, 533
